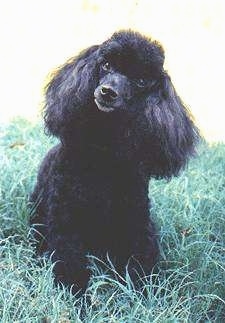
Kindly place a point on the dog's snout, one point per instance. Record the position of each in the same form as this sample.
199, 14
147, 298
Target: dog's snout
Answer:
108, 93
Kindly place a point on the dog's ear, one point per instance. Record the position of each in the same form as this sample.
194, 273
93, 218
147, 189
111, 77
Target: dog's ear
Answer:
69, 90
172, 135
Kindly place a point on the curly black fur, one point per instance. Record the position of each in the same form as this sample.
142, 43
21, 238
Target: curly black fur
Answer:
120, 122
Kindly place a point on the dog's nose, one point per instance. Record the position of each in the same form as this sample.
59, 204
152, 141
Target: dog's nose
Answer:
108, 93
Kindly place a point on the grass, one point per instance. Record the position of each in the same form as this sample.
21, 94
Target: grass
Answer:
189, 210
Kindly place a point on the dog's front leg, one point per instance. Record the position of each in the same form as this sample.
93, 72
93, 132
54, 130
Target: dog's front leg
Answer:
144, 254
69, 255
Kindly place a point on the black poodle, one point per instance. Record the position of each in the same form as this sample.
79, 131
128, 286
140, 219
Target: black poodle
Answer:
120, 122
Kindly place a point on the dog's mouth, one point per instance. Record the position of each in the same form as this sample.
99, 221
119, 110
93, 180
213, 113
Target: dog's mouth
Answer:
102, 106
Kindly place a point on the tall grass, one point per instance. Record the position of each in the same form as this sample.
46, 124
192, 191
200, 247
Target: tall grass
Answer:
189, 283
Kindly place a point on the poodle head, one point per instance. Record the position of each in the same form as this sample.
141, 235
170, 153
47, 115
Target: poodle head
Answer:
124, 80
129, 65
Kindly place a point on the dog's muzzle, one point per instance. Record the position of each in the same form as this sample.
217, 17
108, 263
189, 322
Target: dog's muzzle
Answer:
103, 107
105, 98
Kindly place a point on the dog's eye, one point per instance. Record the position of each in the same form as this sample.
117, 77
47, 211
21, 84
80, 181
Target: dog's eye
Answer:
140, 82
106, 66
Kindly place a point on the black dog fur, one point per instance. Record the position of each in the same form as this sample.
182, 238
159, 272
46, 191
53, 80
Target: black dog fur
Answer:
120, 122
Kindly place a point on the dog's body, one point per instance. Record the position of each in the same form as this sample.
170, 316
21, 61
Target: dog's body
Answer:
120, 122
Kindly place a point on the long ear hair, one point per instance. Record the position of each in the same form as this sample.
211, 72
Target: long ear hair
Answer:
69, 91
172, 135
